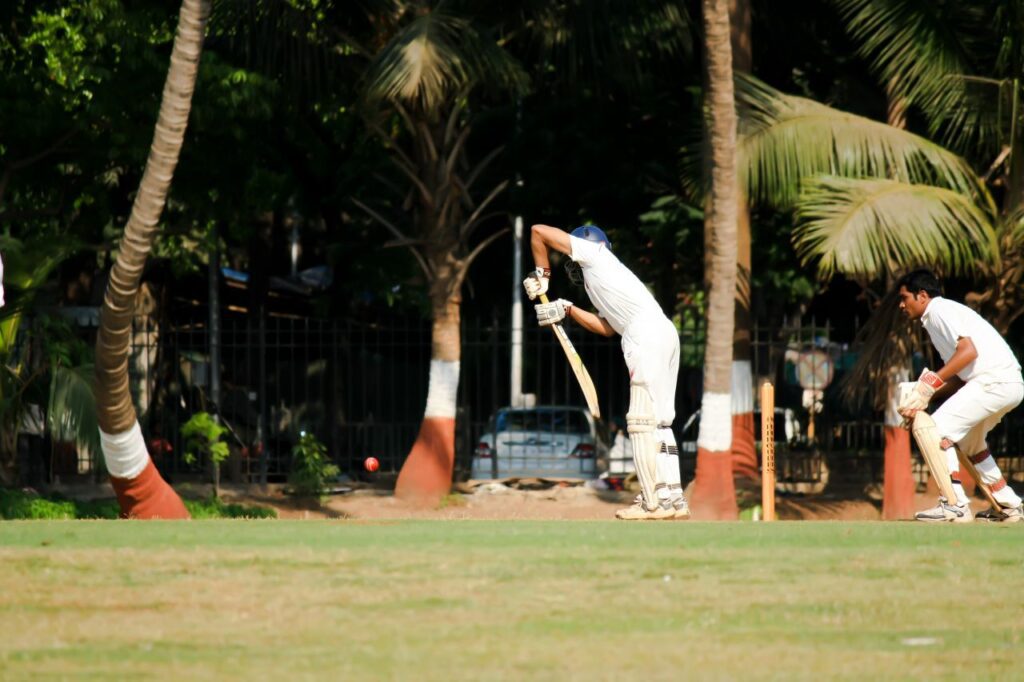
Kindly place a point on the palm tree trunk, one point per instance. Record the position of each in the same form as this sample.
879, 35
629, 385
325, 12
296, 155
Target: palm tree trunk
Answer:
744, 454
714, 494
426, 475
898, 483
141, 491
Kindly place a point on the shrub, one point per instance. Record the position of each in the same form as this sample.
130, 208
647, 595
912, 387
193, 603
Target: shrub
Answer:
20, 504
311, 471
202, 436
217, 509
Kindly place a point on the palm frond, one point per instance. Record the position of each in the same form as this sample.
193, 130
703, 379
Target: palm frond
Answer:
874, 227
601, 40
927, 51
1013, 225
437, 55
785, 139
72, 410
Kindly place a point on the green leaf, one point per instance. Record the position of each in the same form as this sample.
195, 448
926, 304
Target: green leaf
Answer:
871, 227
927, 51
786, 139
72, 410
436, 56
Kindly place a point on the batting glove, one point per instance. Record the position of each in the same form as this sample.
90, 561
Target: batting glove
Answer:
536, 284
553, 312
921, 395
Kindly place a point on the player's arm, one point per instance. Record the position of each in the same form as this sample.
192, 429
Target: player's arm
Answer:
591, 322
943, 382
949, 388
542, 238
545, 237
964, 355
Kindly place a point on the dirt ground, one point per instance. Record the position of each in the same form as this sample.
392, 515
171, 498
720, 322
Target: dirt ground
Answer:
525, 499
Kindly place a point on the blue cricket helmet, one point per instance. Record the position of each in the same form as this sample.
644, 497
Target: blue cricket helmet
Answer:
592, 233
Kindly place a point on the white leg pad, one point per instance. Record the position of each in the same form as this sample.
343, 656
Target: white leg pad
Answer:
928, 442
640, 424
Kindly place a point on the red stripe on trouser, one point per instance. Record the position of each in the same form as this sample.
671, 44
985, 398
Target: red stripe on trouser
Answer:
998, 485
980, 457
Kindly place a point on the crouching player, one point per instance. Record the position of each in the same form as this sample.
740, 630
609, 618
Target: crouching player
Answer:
984, 380
650, 345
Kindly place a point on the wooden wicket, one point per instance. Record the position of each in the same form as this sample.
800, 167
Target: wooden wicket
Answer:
767, 452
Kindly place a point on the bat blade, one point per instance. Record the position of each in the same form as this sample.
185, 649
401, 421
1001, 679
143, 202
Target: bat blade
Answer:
578, 368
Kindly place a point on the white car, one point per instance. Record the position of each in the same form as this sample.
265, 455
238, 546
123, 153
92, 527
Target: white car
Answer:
546, 441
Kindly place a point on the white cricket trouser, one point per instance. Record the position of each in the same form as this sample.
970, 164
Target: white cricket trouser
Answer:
650, 347
974, 410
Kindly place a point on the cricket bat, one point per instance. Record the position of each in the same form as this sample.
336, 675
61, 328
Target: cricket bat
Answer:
967, 464
576, 362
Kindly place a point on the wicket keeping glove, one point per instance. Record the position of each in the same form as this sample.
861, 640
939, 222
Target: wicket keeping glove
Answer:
537, 282
553, 312
924, 389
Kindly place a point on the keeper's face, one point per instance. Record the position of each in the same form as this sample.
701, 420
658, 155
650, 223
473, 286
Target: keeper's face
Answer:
913, 305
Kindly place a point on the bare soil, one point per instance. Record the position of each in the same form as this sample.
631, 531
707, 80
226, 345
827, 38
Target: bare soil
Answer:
525, 499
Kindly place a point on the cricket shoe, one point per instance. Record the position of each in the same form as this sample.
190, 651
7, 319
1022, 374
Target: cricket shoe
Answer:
991, 514
1003, 514
681, 510
638, 512
946, 513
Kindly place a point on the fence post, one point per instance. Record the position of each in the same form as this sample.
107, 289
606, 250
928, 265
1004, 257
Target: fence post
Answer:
494, 384
261, 422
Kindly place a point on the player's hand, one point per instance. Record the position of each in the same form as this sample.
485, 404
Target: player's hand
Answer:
918, 398
553, 312
536, 283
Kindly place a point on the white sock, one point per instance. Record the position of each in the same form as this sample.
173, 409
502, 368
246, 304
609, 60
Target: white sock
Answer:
953, 462
993, 477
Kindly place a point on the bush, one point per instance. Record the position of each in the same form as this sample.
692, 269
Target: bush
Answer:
202, 436
216, 509
311, 472
19, 504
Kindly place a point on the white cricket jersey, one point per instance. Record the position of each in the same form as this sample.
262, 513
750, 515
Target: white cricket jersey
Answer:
947, 321
619, 296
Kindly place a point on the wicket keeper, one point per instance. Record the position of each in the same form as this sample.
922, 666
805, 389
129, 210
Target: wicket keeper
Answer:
983, 380
650, 346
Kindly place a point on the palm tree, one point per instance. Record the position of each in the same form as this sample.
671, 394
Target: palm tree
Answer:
744, 454
871, 200
145, 494
422, 79
960, 66
714, 494
71, 410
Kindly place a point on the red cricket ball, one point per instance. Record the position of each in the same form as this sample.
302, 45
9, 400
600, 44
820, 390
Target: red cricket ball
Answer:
371, 464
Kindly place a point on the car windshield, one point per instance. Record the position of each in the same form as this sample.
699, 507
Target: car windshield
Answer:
566, 421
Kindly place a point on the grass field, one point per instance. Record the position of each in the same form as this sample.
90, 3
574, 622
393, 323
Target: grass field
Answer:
520, 600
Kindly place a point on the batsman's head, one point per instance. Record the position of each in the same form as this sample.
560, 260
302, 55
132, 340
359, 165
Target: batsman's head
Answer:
916, 290
591, 233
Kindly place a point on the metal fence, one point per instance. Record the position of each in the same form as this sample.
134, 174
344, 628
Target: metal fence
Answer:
361, 388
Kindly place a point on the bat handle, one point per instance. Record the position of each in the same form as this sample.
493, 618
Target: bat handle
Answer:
544, 298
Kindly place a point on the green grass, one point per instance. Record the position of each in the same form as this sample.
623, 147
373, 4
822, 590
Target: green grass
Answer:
476, 600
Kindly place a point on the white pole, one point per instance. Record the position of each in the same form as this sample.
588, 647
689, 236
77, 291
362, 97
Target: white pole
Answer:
517, 314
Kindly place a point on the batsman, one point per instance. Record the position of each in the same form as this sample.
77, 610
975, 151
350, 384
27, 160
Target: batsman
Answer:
650, 346
983, 380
